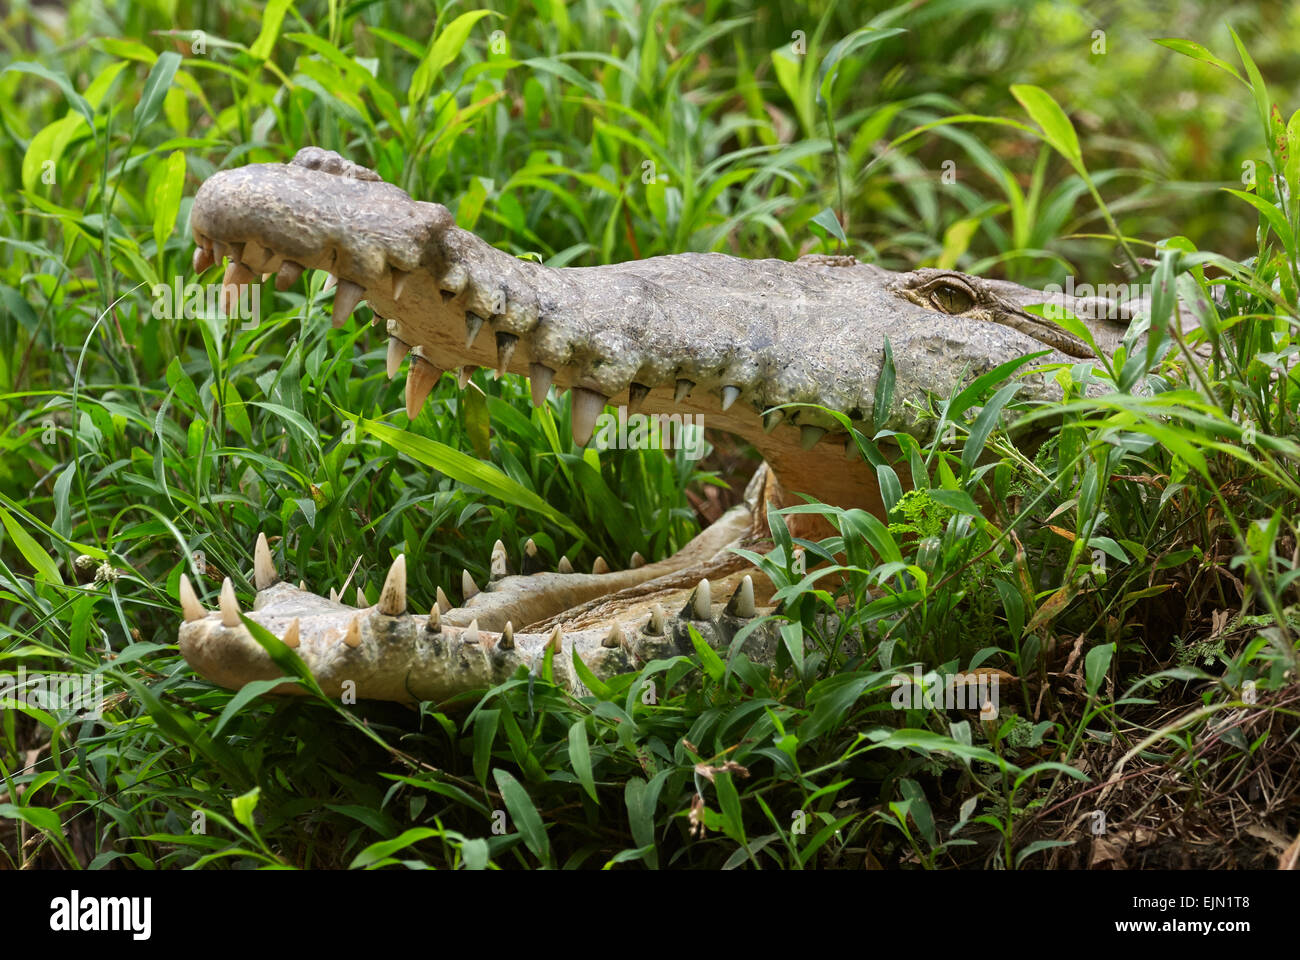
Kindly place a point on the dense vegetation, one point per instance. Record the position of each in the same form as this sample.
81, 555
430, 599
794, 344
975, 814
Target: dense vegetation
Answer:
1139, 572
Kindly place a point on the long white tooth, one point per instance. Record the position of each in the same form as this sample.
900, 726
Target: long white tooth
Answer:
587, 406
392, 598
684, 388
288, 274
443, 603
421, 378
229, 605
656, 623
330, 283
615, 638
772, 420
467, 585
636, 394
471, 633
564, 566
530, 548
399, 283
202, 259
498, 565
191, 607
600, 566
638, 561
729, 396
742, 601
397, 351
540, 377
220, 249
263, 566
473, 324
506, 343
809, 435
346, 298
361, 599
290, 638
556, 642
353, 637
434, 623
463, 374
700, 606
507, 641
334, 595
302, 585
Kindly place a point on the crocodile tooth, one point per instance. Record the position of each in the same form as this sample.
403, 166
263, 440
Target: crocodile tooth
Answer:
434, 623
334, 595
467, 585
455, 279
556, 643
202, 259
302, 585
392, 598
346, 298
290, 638
564, 566
729, 396
530, 548
361, 599
229, 605
851, 451
600, 566
655, 625
220, 249
421, 378
463, 374
288, 274
263, 566
330, 283
700, 605
637, 561
470, 635
237, 275
772, 420
587, 406
235, 251
684, 388
742, 601
473, 324
636, 394
507, 641
353, 637
191, 607
399, 283
397, 351
256, 256
615, 637
443, 603
809, 435
540, 377
505, 351
498, 564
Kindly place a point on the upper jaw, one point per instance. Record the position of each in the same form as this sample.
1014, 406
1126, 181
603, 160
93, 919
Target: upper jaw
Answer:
702, 333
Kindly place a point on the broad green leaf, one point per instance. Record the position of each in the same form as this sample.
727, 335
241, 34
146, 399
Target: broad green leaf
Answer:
1056, 126
443, 50
156, 86
525, 816
167, 203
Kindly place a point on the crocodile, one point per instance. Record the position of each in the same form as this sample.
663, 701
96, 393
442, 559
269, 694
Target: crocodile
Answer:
763, 349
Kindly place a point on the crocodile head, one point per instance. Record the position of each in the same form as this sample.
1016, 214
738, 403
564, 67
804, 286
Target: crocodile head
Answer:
742, 344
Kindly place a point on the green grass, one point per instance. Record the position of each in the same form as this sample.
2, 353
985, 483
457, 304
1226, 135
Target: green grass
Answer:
1114, 558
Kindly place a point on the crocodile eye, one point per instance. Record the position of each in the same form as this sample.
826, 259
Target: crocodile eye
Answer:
951, 297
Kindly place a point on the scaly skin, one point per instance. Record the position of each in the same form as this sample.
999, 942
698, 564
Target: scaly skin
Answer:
704, 334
